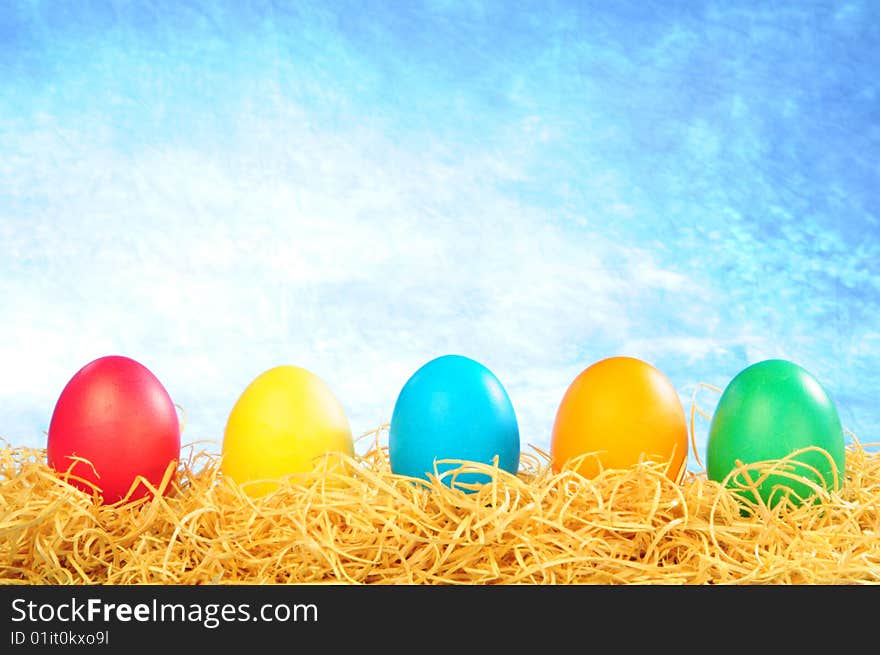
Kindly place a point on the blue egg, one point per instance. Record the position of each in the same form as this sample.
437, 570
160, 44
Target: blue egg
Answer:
453, 408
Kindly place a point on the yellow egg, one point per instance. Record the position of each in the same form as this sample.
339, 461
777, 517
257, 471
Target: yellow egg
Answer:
286, 422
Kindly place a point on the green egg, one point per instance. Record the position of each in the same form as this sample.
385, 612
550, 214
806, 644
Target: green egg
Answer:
768, 412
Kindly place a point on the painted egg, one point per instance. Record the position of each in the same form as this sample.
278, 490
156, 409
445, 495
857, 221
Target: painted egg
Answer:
772, 410
115, 414
286, 422
453, 408
617, 412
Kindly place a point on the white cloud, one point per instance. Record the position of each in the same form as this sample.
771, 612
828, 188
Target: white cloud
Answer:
348, 254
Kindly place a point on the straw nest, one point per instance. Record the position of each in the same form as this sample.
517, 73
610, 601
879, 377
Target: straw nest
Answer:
370, 526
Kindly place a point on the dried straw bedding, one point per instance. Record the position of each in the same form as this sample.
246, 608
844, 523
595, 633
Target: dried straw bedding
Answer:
369, 526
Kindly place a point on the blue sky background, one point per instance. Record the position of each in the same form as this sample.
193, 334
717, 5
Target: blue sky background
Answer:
358, 187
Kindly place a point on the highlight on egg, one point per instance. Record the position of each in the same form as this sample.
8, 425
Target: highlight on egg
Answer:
616, 413
453, 408
287, 422
113, 427
775, 413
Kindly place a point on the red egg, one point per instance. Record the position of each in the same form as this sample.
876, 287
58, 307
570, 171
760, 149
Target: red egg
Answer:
117, 415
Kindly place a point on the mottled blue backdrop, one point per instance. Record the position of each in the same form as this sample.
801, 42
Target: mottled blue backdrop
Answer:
357, 187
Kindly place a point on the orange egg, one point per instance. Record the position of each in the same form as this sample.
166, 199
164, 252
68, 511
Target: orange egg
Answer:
616, 413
